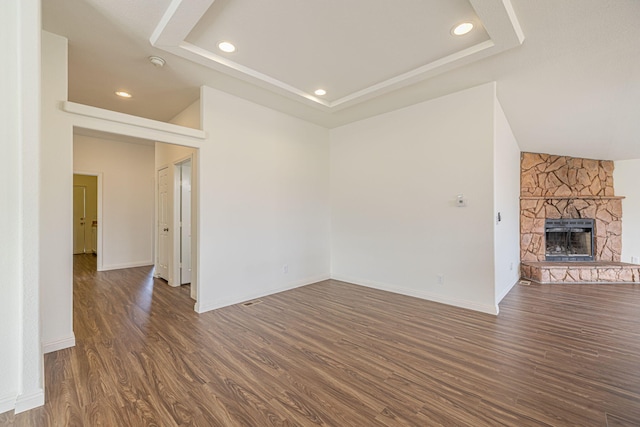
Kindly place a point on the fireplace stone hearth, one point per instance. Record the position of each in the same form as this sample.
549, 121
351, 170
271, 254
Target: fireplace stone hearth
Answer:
581, 272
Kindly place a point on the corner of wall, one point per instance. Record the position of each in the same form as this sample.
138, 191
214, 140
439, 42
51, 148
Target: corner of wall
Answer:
59, 344
190, 117
21, 367
425, 295
626, 177
56, 193
506, 205
25, 402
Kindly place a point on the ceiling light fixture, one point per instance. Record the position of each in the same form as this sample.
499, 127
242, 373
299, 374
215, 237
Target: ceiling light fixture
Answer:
226, 47
123, 94
157, 61
462, 29
320, 92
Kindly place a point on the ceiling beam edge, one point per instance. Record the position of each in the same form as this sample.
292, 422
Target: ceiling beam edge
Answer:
178, 21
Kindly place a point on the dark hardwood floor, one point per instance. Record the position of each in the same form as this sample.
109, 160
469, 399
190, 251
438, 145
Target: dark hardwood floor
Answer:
336, 354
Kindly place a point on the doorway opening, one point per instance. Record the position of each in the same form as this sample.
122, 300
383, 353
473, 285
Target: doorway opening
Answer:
176, 215
123, 239
85, 214
127, 233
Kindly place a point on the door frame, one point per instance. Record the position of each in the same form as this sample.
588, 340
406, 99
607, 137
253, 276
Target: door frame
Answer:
176, 222
99, 251
174, 233
125, 125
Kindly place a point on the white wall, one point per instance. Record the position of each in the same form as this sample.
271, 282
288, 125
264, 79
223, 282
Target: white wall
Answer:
189, 117
21, 362
264, 201
56, 206
128, 173
166, 154
10, 219
507, 202
626, 180
394, 181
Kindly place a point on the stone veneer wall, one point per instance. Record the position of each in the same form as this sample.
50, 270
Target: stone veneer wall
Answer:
568, 187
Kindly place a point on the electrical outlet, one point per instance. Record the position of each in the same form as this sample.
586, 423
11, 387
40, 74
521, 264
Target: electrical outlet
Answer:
635, 260
440, 279
285, 269
511, 266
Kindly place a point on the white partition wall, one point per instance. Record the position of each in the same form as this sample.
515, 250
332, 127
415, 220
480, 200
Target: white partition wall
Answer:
264, 201
55, 202
395, 179
21, 370
506, 184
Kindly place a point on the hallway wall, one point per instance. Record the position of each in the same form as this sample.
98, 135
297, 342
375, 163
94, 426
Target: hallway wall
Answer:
127, 197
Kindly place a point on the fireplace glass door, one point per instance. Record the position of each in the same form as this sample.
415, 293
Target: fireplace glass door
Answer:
569, 239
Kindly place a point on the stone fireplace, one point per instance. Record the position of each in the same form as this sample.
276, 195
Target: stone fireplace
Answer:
570, 221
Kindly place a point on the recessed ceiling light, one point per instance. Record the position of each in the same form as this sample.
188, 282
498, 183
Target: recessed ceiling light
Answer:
462, 29
320, 92
124, 94
226, 47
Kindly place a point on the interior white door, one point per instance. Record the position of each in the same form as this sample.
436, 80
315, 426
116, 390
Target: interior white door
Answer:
79, 218
185, 222
162, 264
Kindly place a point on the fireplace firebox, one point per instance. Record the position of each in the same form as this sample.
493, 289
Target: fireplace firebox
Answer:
569, 239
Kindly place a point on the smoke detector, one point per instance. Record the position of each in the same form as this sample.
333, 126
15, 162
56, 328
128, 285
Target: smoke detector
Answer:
157, 61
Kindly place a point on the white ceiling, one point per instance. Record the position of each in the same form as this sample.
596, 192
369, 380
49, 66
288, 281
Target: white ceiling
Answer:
291, 49
568, 71
310, 46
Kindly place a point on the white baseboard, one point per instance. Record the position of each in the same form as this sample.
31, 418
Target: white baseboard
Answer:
7, 403
60, 344
126, 265
24, 402
204, 306
456, 302
506, 291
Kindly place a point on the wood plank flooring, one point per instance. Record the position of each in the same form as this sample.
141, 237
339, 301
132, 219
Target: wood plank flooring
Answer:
336, 354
